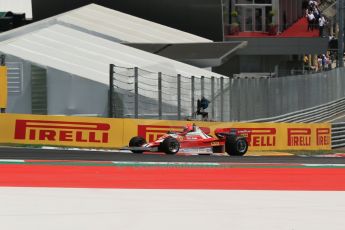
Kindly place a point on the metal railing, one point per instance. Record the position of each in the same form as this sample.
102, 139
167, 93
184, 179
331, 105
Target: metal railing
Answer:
311, 115
274, 30
320, 113
338, 135
138, 93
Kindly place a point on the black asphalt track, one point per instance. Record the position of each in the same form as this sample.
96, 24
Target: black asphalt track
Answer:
54, 154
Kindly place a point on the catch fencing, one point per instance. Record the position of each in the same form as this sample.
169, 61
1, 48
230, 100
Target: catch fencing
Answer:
137, 93
269, 97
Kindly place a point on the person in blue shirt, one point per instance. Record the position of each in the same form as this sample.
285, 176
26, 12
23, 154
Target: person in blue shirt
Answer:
202, 105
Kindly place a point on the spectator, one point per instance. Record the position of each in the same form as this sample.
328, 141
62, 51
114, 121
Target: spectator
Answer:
306, 61
311, 5
319, 63
311, 19
201, 107
323, 61
316, 13
322, 22
329, 62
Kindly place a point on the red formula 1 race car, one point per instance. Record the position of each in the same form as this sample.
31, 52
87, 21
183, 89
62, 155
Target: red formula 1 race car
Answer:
192, 137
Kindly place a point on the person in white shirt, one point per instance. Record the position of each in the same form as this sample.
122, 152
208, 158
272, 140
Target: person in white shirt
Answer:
311, 19
322, 22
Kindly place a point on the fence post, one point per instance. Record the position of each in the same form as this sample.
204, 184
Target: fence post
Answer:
229, 99
111, 91
202, 86
136, 92
212, 98
340, 17
179, 96
160, 95
222, 99
192, 94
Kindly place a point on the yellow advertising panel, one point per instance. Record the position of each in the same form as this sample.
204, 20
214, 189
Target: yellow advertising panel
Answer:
116, 133
3, 87
260, 136
60, 131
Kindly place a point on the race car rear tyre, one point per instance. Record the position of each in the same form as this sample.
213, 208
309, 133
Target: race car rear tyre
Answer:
236, 146
137, 142
169, 146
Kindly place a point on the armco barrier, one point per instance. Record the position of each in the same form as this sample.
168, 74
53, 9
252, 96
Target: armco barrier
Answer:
115, 133
338, 135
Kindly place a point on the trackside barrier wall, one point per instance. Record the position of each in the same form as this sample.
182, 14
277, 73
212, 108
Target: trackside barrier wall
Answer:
115, 133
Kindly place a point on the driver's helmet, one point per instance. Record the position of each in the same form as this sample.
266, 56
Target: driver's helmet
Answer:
188, 128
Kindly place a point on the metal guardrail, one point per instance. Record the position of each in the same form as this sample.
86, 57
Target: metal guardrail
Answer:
314, 114
317, 114
338, 135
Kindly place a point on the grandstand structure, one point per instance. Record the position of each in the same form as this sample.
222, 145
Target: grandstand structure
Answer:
60, 65
277, 36
211, 19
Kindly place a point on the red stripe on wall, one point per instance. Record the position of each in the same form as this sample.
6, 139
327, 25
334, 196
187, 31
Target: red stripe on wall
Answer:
321, 179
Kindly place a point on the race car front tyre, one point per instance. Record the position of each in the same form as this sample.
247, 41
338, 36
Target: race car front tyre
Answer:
236, 145
169, 146
137, 142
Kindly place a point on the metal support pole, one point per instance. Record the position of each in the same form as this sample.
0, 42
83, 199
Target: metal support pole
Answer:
3, 60
160, 95
340, 7
202, 86
212, 97
111, 91
192, 92
179, 96
221, 99
136, 93
229, 99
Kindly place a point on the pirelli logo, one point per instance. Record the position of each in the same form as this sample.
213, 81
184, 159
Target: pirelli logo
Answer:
299, 136
323, 136
153, 132
259, 137
80, 132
